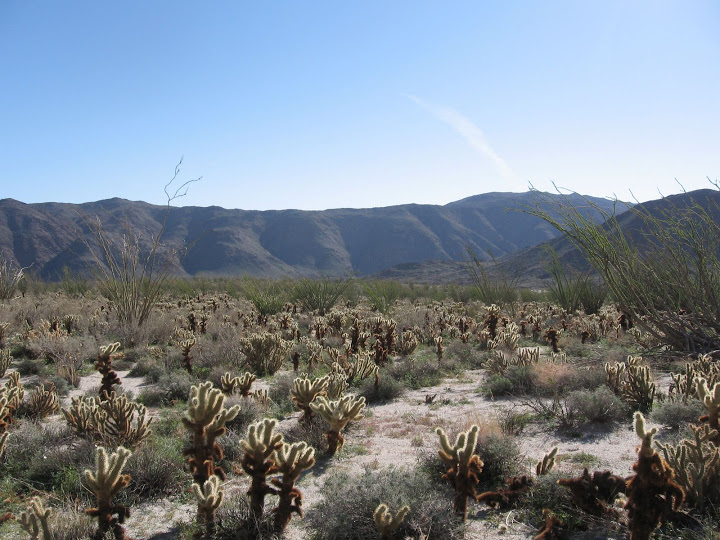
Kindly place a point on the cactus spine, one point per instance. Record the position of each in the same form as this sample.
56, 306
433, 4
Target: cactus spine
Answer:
338, 413
105, 482
464, 466
386, 523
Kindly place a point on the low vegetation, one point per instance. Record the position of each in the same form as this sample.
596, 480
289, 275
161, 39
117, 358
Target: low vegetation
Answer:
392, 408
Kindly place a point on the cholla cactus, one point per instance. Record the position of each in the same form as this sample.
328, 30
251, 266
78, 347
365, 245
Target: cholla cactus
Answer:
711, 400
114, 422
464, 466
209, 497
652, 493
547, 463
186, 347
615, 375
34, 521
337, 384
3, 440
43, 402
5, 360
259, 447
696, 462
290, 460
243, 383
205, 419
304, 391
338, 413
360, 368
104, 366
386, 523
105, 482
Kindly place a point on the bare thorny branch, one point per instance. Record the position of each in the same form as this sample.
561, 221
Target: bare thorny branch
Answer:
133, 282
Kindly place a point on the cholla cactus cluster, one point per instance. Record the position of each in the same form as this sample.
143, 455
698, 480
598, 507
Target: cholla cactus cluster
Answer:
115, 421
105, 482
463, 464
337, 414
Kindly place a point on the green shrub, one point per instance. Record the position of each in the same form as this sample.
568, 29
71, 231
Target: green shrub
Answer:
599, 406
501, 457
677, 414
319, 295
417, 372
347, 503
497, 385
173, 386
388, 389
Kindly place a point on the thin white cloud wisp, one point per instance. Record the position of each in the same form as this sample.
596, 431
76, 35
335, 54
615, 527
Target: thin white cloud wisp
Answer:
472, 134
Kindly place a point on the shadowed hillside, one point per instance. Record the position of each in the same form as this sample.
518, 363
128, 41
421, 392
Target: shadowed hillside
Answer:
218, 241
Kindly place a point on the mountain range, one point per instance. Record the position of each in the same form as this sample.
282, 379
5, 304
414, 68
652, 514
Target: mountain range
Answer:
390, 241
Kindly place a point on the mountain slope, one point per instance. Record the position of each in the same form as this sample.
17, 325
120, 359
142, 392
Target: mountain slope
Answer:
276, 243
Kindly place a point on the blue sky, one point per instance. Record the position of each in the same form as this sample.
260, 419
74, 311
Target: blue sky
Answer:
317, 105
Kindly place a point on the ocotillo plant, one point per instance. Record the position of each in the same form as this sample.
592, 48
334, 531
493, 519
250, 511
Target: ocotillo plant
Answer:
291, 460
104, 366
652, 493
464, 466
205, 419
105, 482
386, 523
259, 447
209, 498
338, 413
35, 521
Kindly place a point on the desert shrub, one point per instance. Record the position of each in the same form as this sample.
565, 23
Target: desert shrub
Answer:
388, 389
172, 386
501, 457
522, 378
347, 505
599, 406
572, 289
676, 414
46, 457
558, 378
10, 278
312, 432
663, 272
268, 297
29, 366
493, 284
156, 469
72, 524
464, 353
417, 372
497, 385
382, 294
319, 295
279, 393
234, 519
546, 493
251, 410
